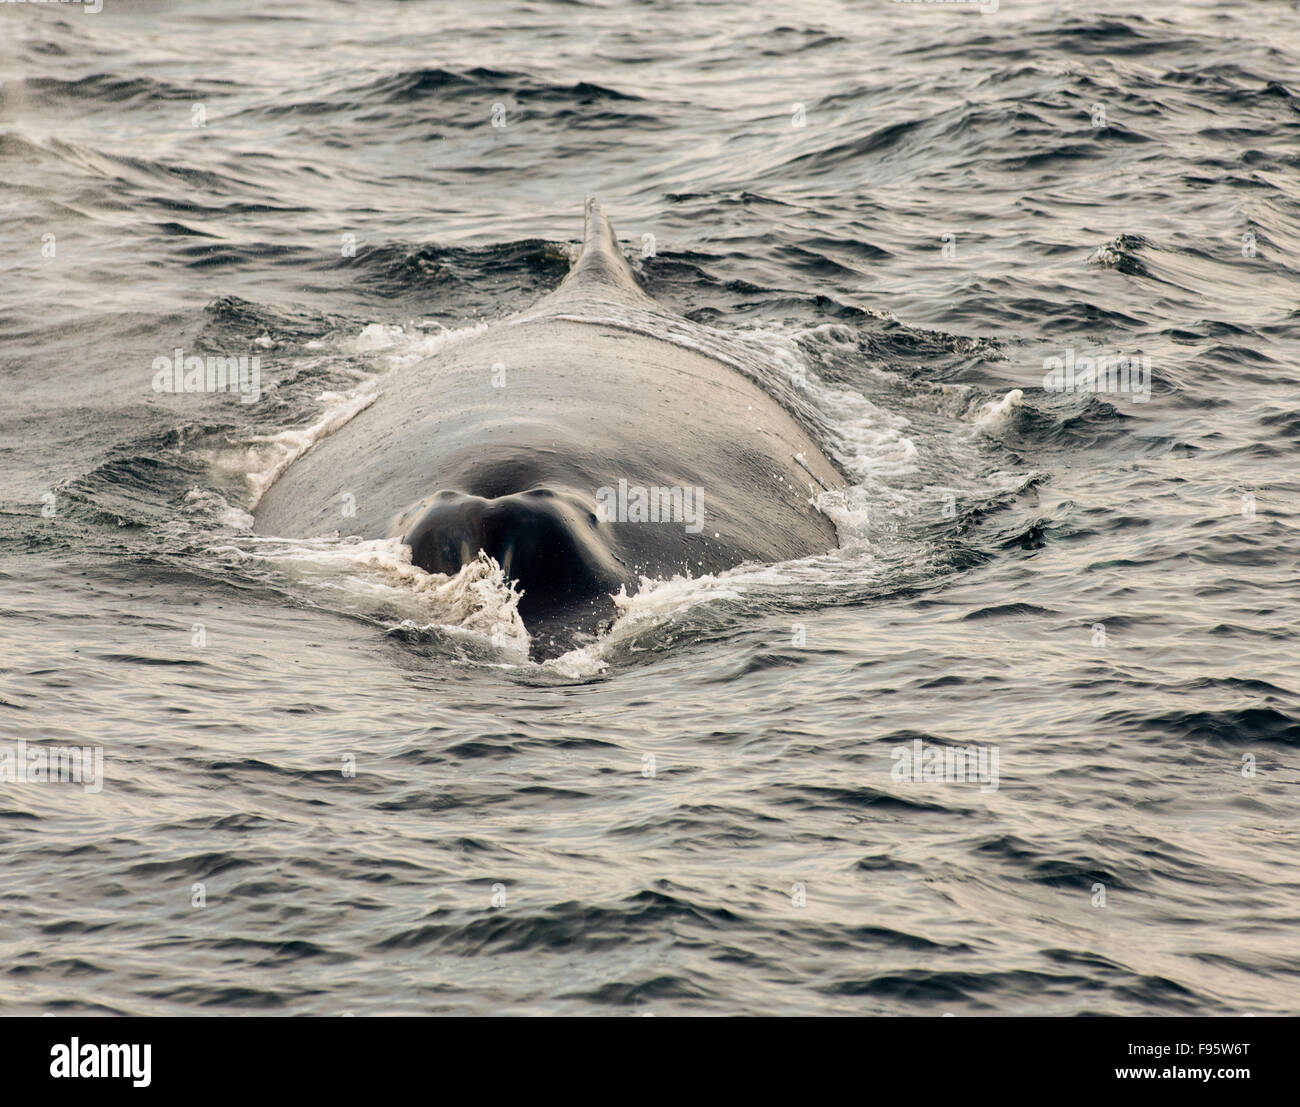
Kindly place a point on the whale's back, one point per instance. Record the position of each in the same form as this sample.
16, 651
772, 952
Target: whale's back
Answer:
574, 436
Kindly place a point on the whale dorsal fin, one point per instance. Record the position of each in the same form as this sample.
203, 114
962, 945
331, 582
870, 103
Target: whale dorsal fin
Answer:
600, 276
601, 261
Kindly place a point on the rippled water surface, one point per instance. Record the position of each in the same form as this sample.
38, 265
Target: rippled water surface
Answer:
331, 783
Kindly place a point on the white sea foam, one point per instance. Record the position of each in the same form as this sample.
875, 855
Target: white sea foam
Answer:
376, 578
995, 413
216, 510
654, 602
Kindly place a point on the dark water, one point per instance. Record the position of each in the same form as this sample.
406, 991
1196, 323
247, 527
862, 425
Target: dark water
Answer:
699, 813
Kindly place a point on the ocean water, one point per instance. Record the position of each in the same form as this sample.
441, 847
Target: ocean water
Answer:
332, 784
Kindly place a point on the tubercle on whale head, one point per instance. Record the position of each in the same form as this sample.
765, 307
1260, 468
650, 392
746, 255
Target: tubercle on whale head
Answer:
548, 541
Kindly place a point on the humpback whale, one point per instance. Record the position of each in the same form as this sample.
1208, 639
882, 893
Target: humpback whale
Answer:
578, 445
